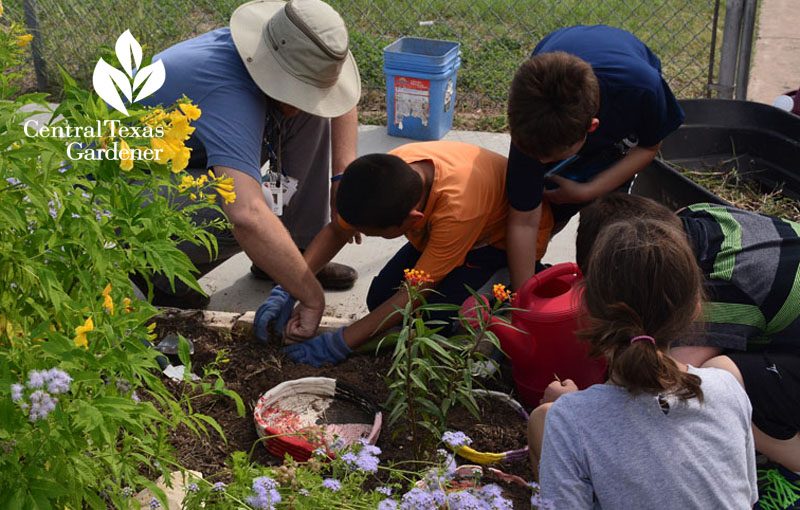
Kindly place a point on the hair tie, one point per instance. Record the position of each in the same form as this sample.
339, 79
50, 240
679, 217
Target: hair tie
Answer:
643, 337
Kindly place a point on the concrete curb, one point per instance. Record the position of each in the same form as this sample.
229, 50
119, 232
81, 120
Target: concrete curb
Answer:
240, 323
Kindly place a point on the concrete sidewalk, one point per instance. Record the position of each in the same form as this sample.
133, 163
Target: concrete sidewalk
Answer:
776, 58
233, 289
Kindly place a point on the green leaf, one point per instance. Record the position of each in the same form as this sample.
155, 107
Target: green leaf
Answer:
49, 489
211, 421
183, 354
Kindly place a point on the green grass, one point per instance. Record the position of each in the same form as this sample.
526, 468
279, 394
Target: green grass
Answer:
495, 35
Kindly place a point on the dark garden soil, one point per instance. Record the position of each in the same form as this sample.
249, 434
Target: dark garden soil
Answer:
253, 369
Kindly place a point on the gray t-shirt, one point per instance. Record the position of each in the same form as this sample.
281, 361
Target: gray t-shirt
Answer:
604, 448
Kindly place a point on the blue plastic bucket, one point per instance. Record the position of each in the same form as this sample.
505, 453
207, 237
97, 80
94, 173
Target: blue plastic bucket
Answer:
420, 86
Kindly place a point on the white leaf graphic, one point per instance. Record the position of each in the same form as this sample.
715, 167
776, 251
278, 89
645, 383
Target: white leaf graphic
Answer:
103, 80
127, 44
152, 76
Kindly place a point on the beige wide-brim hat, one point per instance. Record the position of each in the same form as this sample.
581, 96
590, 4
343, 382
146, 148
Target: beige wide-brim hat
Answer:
298, 53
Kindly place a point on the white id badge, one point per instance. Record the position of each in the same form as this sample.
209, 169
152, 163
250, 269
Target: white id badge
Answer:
273, 194
289, 185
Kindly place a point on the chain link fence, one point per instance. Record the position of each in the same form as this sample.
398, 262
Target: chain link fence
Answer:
495, 35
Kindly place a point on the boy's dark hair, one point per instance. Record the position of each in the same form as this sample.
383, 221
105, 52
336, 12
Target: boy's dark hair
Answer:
551, 104
642, 280
378, 191
610, 208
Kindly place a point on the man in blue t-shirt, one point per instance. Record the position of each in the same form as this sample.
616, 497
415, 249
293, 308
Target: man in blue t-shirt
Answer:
279, 84
591, 107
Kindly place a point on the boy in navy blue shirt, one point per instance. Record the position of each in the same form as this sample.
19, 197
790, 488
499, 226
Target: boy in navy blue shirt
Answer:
592, 95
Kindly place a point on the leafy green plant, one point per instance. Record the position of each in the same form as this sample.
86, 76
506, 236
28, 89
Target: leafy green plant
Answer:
430, 373
74, 363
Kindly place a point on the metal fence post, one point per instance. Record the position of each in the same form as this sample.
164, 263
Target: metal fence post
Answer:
37, 46
745, 48
730, 48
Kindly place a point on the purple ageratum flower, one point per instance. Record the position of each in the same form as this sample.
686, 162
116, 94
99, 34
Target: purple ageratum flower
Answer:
303, 492
154, 503
465, 500
42, 404
36, 379
349, 458
332, 484
439, 497
58, 381
264, 483
367, 462
417, 499
127, 492
387, 504
368, 448
16, 392
386, 491
266, 494
456, 440
491, 491
219, 487
501, 503
339, 444
192, 487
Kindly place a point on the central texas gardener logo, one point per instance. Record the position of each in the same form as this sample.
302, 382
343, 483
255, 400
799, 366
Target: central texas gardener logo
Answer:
109, 81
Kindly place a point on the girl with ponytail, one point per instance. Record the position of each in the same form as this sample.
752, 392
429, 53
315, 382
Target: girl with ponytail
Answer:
658, 434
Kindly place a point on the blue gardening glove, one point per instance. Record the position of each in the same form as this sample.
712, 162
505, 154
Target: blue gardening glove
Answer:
326, 348
273, 313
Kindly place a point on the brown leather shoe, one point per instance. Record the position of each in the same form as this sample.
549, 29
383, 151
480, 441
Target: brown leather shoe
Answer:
332, 276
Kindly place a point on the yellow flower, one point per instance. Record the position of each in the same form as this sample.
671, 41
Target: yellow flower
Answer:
190, 111
125, 155
24, 40
80, 333
171, 149
225, 184
228, 196
1, 8
108, 303
181, 159
179, 127
127, 303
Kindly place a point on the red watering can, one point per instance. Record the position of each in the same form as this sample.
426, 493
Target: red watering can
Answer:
545, 347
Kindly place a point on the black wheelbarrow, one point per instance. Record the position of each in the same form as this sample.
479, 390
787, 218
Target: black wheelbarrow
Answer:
759, 141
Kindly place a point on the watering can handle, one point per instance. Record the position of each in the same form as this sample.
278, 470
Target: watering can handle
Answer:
563, 269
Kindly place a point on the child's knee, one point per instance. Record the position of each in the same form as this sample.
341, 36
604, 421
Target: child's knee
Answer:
727, 364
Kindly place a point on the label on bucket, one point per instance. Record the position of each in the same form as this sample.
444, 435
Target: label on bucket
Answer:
411, 99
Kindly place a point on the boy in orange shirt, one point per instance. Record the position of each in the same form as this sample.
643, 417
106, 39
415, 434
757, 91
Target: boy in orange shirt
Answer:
448, 199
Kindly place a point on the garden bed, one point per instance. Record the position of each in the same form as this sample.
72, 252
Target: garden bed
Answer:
251, 369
